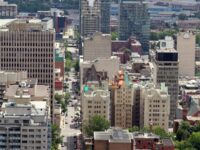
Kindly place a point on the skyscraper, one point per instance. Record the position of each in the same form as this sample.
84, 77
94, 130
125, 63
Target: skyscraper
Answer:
166, 71
134, 20
95, 16
105, 16
26, 46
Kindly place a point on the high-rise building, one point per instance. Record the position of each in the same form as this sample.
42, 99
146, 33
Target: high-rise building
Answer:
97, 46
26, 46
165, 70
156, 106
7, 10
105, 16
186, 44
95, 16
134, 20
24, 126
95, 100
122, 101
25, 117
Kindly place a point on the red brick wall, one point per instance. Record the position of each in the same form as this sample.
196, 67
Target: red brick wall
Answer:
100, 145
120, 146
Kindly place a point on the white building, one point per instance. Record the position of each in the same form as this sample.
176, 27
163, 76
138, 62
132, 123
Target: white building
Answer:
95, 101
156, 106
25, 126
186, 44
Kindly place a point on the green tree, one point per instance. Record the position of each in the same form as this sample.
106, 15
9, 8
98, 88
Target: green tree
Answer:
183, 131
96, 123
58, 97
134, 128
114, 35
68, 64
76, 66
161, 132
56, 138
194, 140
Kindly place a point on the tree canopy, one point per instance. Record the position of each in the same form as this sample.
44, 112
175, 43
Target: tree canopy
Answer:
56, 138
96, 123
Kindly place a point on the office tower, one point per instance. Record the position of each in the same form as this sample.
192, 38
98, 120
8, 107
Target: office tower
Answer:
26, 46
7, 78
122, 101
186, 44
105, 16
24, 117
90, 17
96, 100
97, 46
156, 106
134, 20
7, 10
165, 71
95, 16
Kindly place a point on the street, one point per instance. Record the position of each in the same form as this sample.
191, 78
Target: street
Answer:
68, 131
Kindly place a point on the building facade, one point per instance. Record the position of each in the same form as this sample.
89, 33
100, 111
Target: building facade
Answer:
122, 101
95, 16
156, 106
7, 10
95, 101
165, 70
25, 117
29, 47
186, 45
24, 126
97, 46
134, 20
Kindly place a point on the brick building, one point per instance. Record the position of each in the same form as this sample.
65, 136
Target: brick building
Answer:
118, 139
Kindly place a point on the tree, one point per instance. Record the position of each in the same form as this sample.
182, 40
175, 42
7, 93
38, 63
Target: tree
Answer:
96, 123
183, 131
161, 132
58, 97
114, 35
76, 66
56, 138
134, 128
194, 140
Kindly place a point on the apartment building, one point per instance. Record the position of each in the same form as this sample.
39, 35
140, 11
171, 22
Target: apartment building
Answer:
7, 10
27, 46
165, 70
24, 126
95, 100
186, 46
156, 106
134, 20
122, 101
97, 46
